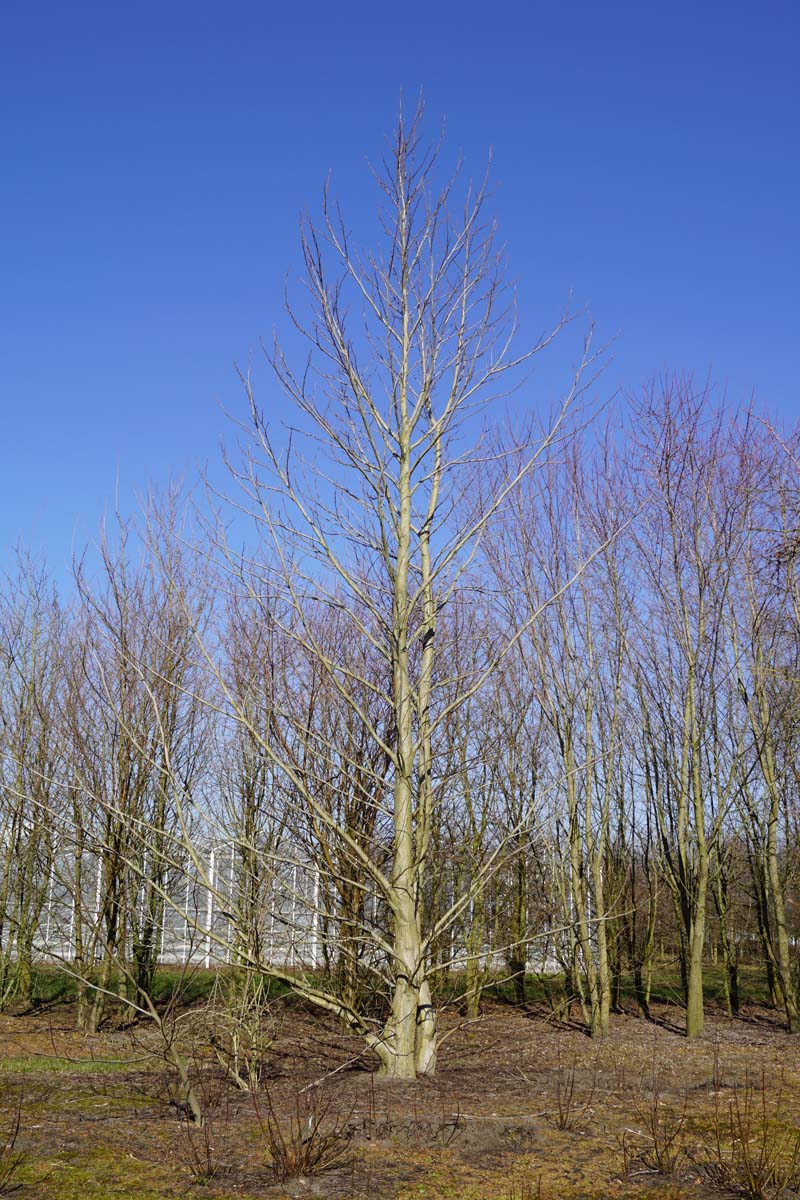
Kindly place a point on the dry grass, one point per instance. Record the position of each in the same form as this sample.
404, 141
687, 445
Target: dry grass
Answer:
754, 1152
522, 1109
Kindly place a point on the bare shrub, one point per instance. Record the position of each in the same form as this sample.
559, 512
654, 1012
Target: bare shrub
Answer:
203, 1143
525, 1190
662, 1152
200, 1151
241, 1028
11, 1159
659, 1148
571, 1109
314, 1139
754, 1154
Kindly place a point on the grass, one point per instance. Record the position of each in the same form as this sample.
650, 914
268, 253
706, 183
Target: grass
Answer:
173, 985
72, 1119
666, 987
28, 1064
97, 1174
51, 985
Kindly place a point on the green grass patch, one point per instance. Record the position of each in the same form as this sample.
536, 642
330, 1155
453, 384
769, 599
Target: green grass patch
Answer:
28, 1064
665, 988
99, 1174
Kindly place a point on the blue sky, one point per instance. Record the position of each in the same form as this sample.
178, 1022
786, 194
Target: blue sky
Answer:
156, 158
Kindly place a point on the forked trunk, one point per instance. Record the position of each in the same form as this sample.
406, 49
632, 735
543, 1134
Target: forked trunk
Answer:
409, 1036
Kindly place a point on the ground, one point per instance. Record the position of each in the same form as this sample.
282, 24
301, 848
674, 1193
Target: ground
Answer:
522, 1108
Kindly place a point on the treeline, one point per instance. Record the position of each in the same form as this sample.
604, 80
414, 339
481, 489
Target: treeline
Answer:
620, 782
511, 702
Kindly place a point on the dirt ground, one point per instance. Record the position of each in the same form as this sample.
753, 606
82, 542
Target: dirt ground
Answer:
522, 1108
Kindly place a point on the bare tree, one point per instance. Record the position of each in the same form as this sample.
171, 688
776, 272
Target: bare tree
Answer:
764, 652
367, 510
137, 747
688, 538
31, 627
250, 817
557, 557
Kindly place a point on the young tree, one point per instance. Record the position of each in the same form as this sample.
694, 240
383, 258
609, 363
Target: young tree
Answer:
688, 538
31, 629
369, 511
765, 646
558, 554
137, 746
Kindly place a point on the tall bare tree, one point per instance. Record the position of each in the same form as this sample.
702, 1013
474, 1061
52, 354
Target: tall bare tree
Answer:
367, 509
764, 657
133, 717
688, 539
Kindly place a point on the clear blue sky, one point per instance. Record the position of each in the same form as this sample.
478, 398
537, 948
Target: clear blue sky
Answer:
155, 158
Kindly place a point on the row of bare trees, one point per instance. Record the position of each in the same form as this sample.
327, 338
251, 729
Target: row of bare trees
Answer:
514, 695
613, 765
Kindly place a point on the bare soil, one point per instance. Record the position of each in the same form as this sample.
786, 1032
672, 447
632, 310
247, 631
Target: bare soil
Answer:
521, 1108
